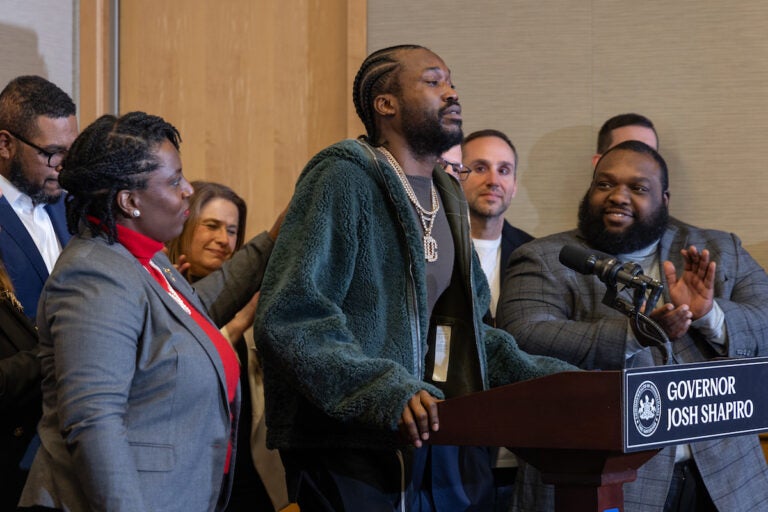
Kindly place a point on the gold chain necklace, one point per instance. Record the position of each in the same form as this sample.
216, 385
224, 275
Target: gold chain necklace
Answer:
427, 217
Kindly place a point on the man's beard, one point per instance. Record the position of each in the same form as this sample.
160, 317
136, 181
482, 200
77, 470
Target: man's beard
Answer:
426, 135
641, 233
21, 182
488, 212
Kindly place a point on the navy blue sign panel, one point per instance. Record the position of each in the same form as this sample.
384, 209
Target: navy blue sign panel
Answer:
692, 402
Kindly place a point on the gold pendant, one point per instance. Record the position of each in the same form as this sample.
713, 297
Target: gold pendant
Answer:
430, 248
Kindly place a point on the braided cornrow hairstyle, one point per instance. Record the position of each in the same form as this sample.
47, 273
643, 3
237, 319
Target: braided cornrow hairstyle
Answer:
373, 78
110, 155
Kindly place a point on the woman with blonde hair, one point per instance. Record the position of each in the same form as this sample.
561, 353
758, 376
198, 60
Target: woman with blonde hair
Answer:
213, 232
201, 229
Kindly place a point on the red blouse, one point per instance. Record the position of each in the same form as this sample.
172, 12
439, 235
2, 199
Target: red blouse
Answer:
143, 248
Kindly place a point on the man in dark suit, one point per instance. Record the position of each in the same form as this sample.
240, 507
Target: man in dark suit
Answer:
37, 126
489, 180
490, 185
715, 303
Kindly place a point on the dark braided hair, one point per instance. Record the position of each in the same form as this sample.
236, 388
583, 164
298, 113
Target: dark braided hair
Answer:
373, 78
26, 98
110, 155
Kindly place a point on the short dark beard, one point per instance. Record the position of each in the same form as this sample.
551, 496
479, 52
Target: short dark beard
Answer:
20, 181
642, 233
425, 135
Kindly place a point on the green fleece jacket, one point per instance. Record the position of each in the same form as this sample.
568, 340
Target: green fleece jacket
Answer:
342, 323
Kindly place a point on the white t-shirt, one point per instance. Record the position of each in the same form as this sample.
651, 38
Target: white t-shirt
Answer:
489, 252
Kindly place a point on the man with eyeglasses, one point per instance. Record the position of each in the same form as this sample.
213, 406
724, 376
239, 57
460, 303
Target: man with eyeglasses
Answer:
450, 161
486, 165
37, 126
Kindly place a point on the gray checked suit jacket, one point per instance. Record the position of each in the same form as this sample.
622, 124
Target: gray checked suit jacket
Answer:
135, 408
558, 312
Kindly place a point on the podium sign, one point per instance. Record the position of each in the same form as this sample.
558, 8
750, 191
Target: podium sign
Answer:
587, 432
692, 402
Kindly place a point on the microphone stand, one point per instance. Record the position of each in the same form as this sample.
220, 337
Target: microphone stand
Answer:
648, 332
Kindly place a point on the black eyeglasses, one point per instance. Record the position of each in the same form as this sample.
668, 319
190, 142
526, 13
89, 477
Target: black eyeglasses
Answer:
53, 159
461, 170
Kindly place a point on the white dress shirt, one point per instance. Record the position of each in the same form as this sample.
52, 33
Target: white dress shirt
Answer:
36, 220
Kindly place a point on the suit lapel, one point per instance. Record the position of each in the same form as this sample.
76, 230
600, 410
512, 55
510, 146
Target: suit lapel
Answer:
57, 214
506, 248
14, 228
181, 287
666, 253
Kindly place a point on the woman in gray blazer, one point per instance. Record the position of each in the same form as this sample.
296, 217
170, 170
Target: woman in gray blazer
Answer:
140, 389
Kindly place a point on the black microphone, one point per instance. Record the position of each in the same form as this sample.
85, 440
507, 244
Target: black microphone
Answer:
611, 271
607, 268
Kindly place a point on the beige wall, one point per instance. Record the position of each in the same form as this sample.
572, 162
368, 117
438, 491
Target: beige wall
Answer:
549, 74
38, 38
255, 87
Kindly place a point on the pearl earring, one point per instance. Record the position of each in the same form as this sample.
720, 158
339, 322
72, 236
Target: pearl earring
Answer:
136, 214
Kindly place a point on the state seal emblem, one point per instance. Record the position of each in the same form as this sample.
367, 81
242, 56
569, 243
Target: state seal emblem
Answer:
647, 408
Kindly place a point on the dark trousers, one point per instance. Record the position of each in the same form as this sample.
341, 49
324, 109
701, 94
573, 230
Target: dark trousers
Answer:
687, 492
248, 491
430, 479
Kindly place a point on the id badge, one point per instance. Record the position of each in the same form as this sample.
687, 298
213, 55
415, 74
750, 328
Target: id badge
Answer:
442, 353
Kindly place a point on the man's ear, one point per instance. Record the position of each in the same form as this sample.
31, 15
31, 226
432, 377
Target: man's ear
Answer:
665, 197
385, 104
6, 145
127, 202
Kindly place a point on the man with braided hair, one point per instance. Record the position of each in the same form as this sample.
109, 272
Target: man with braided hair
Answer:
37, 126
371, 307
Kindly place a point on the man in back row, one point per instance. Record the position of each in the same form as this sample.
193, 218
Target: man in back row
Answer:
715, 303
617, 129
490, 186
37, 126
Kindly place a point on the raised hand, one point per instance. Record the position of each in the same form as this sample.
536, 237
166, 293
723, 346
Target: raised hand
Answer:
696, 287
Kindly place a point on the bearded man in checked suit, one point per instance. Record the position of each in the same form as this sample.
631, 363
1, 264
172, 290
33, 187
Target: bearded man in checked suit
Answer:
715, 303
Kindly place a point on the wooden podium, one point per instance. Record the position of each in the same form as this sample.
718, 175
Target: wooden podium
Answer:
567, 425
578, 428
